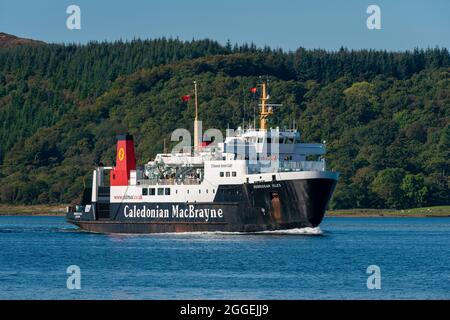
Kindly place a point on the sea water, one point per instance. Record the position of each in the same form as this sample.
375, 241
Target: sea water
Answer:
330, 262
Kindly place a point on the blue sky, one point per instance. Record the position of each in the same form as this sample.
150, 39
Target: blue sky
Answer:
287, 24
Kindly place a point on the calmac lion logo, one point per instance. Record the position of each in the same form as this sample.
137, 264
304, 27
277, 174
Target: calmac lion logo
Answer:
121, 154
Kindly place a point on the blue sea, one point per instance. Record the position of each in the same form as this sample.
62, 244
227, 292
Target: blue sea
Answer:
413, 256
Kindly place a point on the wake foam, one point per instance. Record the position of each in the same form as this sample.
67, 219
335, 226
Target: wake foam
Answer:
304, 231
296, 231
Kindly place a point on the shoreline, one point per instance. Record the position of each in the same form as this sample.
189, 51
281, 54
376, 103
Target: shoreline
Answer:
436, 211
60, 210
32, 210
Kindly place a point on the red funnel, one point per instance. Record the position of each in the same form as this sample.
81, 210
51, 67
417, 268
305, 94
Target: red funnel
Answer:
125, 160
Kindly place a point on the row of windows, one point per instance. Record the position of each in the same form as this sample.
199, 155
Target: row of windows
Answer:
246, 156
165, 191
281, 140
228, 174
154, 191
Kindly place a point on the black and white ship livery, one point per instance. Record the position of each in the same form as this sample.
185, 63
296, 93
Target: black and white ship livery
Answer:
254, 180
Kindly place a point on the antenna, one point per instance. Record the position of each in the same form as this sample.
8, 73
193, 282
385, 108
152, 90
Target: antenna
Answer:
254, 114
245, 102
196, 124
196, 100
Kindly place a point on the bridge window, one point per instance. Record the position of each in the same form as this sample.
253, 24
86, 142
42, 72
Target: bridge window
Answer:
144, 191
221, 173
151, 191
160, 191
167, 191
228, 173
234, 174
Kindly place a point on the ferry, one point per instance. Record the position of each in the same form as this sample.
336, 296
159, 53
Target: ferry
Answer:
256, 179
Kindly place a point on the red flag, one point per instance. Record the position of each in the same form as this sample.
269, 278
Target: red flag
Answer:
186, 98
253, 90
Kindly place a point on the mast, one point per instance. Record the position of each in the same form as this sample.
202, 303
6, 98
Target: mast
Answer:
266, 108
196, 122
265, 111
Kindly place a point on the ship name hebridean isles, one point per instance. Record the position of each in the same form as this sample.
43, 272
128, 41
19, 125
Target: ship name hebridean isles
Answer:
262, 186
189, 213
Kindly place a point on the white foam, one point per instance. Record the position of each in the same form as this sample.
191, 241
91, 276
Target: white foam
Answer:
295, 231
305, 231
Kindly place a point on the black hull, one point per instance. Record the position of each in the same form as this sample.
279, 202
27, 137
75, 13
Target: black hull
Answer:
175, 227
266, 206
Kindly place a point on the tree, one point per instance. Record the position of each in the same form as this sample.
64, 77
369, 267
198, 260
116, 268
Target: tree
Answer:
414, 190
387, 185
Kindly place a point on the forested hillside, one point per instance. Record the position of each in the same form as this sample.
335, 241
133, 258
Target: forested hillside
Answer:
385, 116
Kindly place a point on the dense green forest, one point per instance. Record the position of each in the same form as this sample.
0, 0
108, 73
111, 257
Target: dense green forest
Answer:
385, 115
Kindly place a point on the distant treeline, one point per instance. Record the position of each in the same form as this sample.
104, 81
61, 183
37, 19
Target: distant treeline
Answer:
384, 115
